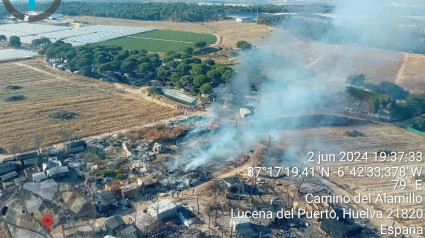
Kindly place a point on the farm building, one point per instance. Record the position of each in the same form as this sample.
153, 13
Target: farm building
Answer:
80, 36
177, 96
163, 209
9, 55
244, 19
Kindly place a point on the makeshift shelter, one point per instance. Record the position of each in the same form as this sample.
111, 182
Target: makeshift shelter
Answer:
114, 224
163, 209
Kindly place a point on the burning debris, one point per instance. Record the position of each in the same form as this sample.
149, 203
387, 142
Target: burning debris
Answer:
188, 121
240, 161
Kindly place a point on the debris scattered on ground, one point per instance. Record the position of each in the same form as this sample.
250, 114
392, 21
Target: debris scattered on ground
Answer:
188, 121
157, 148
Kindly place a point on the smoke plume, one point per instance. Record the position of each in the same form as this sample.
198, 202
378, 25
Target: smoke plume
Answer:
278, 80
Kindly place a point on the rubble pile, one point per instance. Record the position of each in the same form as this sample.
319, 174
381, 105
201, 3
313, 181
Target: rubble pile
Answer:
185, 181
76, 162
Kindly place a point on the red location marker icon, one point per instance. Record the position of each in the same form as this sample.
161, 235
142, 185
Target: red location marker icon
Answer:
47, 221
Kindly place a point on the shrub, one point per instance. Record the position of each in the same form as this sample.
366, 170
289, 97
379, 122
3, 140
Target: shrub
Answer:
63, 115
15, 98
13, 87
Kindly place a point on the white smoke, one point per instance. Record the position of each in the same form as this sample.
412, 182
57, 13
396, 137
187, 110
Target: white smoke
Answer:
286, 87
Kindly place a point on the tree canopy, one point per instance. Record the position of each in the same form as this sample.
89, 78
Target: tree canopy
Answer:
243, 45
419, 124
15, 42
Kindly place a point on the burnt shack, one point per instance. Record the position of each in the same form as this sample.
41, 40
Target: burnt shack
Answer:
105, 201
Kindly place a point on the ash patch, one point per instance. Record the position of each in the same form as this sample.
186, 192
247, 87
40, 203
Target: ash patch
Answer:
63, 115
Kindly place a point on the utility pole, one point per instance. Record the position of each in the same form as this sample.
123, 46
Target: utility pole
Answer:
197, 202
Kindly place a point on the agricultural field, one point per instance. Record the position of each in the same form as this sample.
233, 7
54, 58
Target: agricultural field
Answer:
162, 40
31, 92
229, 32
411, 73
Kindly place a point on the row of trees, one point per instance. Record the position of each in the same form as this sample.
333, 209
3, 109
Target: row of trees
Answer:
377, 101
178, 12
412, 106
384, 87
175, 11
387, 95
181, 70
14, 41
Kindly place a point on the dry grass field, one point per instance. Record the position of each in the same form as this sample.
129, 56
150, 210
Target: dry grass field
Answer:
229, 32
411, 75
376, 137
100, 107
378, 65
333, 61
336, 62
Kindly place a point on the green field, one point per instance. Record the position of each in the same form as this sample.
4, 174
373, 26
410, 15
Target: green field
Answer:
161, 40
